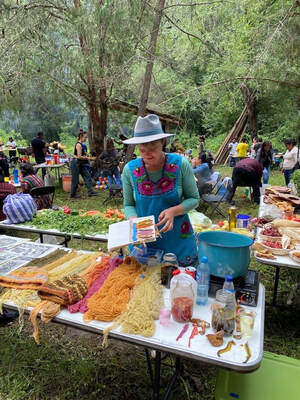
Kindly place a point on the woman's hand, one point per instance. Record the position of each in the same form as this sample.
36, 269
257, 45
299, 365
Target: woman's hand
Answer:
166, 218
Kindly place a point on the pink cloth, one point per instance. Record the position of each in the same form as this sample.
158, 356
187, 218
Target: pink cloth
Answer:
81, 305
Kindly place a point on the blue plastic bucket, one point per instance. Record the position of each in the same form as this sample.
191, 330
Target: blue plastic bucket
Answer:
228, 253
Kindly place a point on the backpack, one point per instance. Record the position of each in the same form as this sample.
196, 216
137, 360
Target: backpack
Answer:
19, 208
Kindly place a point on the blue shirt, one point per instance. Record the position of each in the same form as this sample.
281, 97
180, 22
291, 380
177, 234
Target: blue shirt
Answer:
203, 170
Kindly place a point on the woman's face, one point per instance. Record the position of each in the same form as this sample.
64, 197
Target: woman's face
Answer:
288, 146
151, 152
267, 147
83, 137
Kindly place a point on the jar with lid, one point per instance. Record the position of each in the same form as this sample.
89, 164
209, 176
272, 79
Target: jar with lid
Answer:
223, 312
169, 264
182, 295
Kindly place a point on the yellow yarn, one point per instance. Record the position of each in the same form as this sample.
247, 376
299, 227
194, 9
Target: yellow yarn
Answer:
21, 298
142, 309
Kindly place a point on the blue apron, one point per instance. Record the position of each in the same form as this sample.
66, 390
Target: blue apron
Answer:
154, 197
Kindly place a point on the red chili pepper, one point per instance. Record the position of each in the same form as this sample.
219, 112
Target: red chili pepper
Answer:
194, 333
66, 210
184, 329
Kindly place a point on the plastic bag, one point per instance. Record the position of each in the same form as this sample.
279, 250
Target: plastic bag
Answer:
19, 208
199, 219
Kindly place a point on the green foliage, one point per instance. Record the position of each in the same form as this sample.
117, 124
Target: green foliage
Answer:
4, 136
296, 180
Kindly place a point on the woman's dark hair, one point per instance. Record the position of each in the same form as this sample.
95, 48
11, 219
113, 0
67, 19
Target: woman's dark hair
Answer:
244, 140
27, 169
204, 159
110, 144
266, 143
290, 141
80, 134
10, 138
2, 175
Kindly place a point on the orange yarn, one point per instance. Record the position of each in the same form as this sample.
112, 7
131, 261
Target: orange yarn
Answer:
96, 269
113, 296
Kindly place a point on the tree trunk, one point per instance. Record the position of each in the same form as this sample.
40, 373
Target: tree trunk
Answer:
90, 133
149, 67
249, 96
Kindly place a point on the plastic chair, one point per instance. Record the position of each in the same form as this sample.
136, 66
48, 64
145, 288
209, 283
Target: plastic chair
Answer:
44, 191
276, 379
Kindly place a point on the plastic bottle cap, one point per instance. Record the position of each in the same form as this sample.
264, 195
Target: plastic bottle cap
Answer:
204, 259
228, 278
176, 272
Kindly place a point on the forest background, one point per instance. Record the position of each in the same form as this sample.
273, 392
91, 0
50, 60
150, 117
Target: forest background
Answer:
67, 64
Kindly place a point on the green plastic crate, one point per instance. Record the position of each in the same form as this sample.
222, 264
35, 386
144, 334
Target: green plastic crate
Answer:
278, 378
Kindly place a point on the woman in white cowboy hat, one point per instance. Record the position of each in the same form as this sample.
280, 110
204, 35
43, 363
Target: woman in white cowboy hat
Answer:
163, 185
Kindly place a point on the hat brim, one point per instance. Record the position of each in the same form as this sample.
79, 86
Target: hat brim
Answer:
147, 139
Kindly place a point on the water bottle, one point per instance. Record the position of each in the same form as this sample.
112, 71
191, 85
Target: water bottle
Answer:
203, 274
228, 284
16, 175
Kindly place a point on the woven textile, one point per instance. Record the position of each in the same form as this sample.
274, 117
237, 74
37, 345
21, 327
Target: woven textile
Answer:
25, 278
19, 208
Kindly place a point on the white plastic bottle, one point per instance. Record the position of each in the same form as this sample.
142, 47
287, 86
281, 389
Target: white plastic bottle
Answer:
203, 275
228, 285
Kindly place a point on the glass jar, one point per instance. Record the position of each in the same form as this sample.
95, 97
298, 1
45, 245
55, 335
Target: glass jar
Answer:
182, 298
223, 312
169, 264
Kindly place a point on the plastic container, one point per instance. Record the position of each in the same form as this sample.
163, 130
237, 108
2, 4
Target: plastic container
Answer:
202, 277
66, 183
223, 312
16, 175
56, 158
228, 253
242, 221
228, 285
164, 316
183, 292
147, 256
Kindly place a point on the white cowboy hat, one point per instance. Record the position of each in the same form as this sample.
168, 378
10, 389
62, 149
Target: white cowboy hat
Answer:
147, 129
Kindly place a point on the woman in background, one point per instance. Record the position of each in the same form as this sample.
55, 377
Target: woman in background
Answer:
111, 159
5, 189
265, 157
29, 180
290, 159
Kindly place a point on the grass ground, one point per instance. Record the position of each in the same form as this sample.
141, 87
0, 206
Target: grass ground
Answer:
70, 365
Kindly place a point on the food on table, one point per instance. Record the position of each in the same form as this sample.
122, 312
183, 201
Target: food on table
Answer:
114, 212
271, 231
203, 325
182, 309
238, 337
193, 334
273, 245
216, 339
227, 348
266, 255
279, 189
223, 318
285, 223
248, 352
295, 255
91, 213
182, 332
260, 221
66, 210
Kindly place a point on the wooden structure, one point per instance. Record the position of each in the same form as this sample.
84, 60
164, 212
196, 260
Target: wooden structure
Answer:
237, 132
166, 119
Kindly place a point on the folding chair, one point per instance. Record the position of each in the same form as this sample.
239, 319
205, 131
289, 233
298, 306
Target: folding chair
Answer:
115, 192
214, 200
43, 191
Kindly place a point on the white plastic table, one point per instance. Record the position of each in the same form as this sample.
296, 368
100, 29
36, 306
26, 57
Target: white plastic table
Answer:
164, 340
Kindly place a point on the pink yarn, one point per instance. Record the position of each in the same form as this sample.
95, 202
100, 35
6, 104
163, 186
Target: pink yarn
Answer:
81, 305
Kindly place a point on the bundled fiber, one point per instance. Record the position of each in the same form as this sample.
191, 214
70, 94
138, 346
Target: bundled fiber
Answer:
25, 278
145, 302
82, 305
75, 265
110, 301
48, 310
21, 298
96, 269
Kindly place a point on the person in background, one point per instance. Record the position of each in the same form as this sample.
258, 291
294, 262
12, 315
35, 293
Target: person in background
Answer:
247, 172
113, 172
258, 144
265, 157
252, 148
12, 146
201, 146
5, 189
163, 185
210, 158
202, 166
290, 159
4, 164
39, 150
232, 152
80, 166
241, 149
29, 180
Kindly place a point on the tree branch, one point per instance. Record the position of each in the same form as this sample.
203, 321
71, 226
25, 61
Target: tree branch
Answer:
196, 4
205, 42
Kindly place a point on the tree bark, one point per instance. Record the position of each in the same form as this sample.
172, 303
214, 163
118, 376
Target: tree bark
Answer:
148, 71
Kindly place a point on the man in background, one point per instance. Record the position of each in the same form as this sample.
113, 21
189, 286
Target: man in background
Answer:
232, 148
39, 150
241, 149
